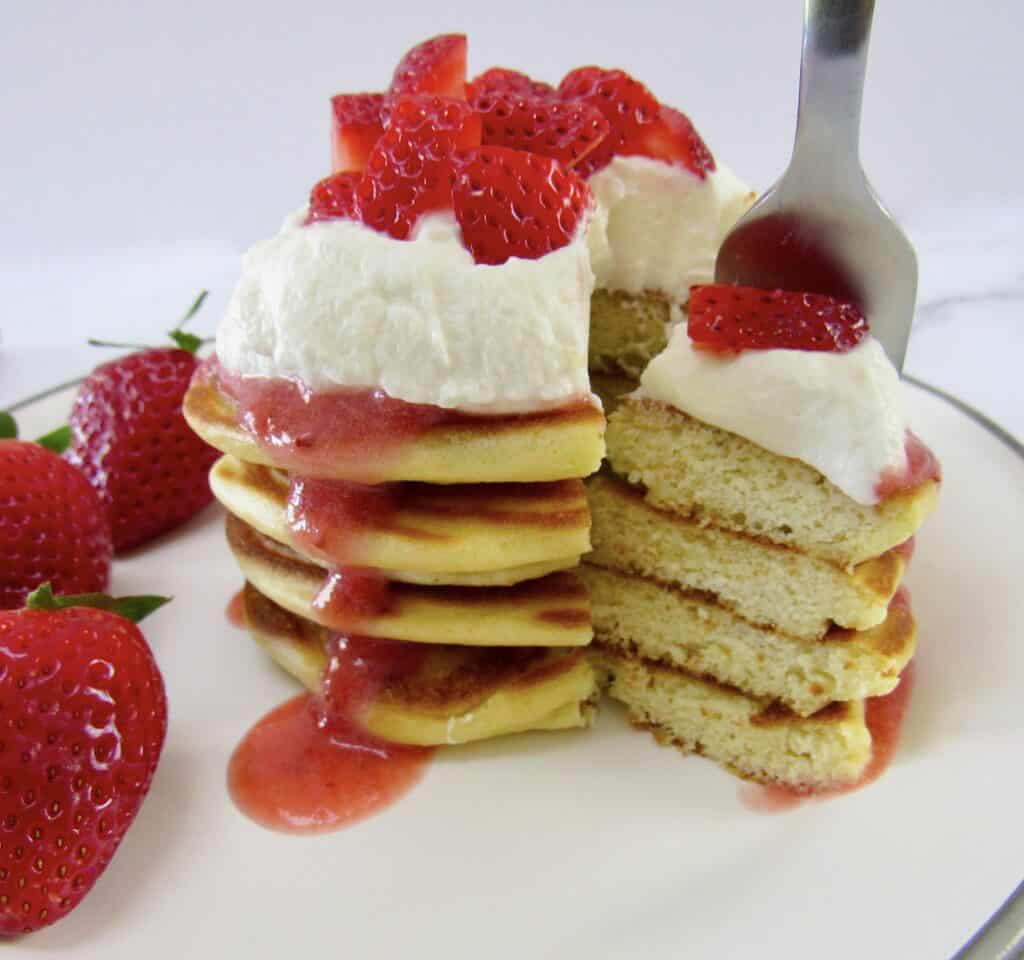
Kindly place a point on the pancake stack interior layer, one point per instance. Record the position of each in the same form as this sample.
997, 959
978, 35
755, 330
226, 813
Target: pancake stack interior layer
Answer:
744, 608
479, 550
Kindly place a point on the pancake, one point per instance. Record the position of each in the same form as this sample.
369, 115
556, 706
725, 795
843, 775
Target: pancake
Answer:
457, 695
612, 388
627, 331
552, 611
529, 448
724, 480
754, 738
456, 534
638, 617
766, 584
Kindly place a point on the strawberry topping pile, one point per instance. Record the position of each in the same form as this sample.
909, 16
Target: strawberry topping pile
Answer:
727, 319
515, 204
433, 138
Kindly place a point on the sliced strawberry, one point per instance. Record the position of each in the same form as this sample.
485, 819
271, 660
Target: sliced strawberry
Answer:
501, 80
436, 66
568, 132
334, 198
640, 126
726, 319
510, 203
357, 123
674, 139
410, 171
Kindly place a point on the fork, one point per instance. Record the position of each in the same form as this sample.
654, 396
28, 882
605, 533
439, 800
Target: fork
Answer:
821, 228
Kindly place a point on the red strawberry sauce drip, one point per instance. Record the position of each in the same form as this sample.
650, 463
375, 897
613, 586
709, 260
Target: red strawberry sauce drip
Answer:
350, 595
327, 517
235, 610
310, 766
884, 717
306, 431
293, 774
922, 465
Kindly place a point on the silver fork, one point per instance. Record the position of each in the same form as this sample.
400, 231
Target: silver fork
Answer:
821, 228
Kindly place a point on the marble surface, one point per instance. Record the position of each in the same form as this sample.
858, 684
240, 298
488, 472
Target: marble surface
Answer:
137, 177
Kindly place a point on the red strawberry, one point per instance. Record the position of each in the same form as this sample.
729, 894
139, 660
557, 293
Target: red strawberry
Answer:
674, 139
436, 66
334, 198
639, 124
565, 131
130, 439
52, 526
82, 722
726, 319
501, 80
410, 171
510, 203
357, 122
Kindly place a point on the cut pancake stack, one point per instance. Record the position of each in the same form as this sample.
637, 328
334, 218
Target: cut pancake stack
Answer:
744, 608
477, 573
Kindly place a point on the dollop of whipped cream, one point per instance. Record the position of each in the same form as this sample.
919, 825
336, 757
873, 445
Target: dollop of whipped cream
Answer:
338, 305
658, 227
842, 413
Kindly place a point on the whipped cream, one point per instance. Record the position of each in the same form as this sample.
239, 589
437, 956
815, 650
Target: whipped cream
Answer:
842, 413
658, 227
337, 304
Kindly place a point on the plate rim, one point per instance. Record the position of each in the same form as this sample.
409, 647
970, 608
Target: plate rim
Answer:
1001, 936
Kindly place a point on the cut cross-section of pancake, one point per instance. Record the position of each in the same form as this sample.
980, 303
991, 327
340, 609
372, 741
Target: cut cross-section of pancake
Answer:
638, 617
553, 445
551, 611
717, 477
627, 330
762, 582
455, 695
455, 534
753, 737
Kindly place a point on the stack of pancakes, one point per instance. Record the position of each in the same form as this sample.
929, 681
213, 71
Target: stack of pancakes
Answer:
743, 606
489, 522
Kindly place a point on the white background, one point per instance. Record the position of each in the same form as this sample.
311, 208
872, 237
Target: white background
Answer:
145, 145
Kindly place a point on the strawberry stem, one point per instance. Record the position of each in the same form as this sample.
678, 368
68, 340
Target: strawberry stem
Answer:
189, 341
116, 345
131, 608
8, 428
56, 440
193, 310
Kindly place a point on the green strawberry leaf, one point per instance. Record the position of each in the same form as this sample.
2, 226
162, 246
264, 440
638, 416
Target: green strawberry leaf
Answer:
8, 428
131, 608
56, 440
186, 341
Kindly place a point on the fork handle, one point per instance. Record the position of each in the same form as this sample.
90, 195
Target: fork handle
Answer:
832, 66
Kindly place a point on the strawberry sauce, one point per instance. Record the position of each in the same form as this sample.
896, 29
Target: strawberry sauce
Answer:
235, 610
922, 465
310, 766
327, 517
292, 774
307, 431
350, 595
884, 717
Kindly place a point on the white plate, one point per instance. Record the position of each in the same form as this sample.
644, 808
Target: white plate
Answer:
596, 844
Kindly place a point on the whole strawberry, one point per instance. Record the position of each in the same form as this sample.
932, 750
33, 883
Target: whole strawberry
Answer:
128, 436
52, 526
82, 722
